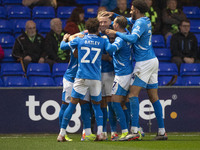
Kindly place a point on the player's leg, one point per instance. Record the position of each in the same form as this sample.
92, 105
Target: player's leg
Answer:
116, 104
66, 118
66, 97
112, 121
134, 108
152, 90
86, 118
105, 114
95, 92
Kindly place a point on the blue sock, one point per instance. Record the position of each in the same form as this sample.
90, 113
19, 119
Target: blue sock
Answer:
134, 107
67, 115
112, 118
62, 110
158, 112
120, 115
98, 114
105, 117
127, 114
86, 115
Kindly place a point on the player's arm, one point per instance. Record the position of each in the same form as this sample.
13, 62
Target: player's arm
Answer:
114, 15
69, 45
116, 45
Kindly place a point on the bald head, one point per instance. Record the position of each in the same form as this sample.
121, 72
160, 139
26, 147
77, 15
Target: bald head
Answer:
56, 25
30, 28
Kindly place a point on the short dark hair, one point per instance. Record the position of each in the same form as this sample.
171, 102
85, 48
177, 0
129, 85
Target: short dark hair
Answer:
122, 21
92, 25
184, 20
141, 6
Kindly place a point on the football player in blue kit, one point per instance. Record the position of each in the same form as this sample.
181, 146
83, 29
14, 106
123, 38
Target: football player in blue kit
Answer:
123, 67
146, 68
88, 76
68, 80
107, 77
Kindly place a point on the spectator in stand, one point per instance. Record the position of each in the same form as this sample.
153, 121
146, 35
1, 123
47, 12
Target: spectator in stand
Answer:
184, 45
52, 44
1, 53
109, 4
29, 46
122, 9
76, 22
154, 15
33, 3
171, 18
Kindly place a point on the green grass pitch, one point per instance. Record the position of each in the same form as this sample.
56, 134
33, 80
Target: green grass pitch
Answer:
176, 141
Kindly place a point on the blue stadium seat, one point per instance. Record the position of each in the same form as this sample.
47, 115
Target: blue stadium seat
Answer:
59, 69
1, 83
163, 54
158, 41
195, 26
38, 69
3, 13
167, 69
12, 2
41, 81
64, 12
198, 38
179, 81
8, 56
58, 81
168, 41
191, 12
163, 80
41, 12
190, 69
191, 81
63, 22
11, 69
15, 81
5, 26
19, 25
43, 25
90, 11
6, 41
85, 2
19, 12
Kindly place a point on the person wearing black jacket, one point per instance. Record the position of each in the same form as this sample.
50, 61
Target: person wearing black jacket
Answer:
184, 45
52, 44
29, 46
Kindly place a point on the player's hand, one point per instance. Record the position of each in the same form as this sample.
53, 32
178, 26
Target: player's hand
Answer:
110, 32
108, 13
66, 37
81, 35
104, 37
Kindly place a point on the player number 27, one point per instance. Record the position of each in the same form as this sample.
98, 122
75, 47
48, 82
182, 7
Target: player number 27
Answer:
84, 60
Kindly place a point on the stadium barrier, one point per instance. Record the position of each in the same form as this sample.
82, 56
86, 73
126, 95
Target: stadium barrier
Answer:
36, 110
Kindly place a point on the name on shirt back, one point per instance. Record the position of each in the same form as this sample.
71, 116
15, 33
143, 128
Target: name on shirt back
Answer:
92, 42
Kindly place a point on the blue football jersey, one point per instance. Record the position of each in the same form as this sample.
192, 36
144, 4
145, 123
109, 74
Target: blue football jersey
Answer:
90, 49
141, 39
106, 66
70, 73
122, 58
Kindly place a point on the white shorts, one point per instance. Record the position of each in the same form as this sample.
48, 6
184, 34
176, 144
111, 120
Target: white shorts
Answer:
107, 79
81, 86
121, 85
67, 90
146, 73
